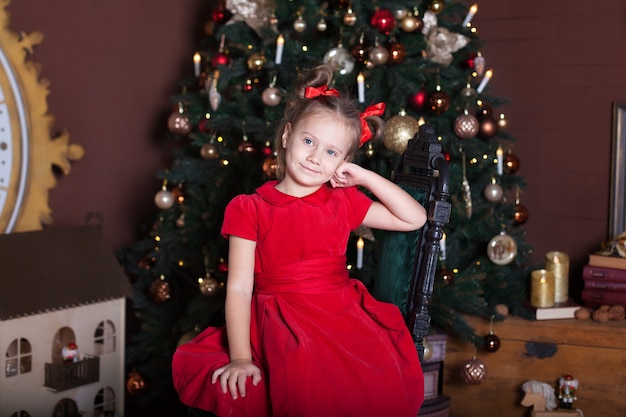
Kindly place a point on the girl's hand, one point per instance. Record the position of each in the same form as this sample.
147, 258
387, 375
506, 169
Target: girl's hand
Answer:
347, 174
233, 376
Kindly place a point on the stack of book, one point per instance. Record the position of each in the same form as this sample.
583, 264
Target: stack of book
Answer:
604, 280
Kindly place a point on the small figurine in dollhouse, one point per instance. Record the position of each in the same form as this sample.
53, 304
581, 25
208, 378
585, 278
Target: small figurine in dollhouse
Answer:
568, 391
70, 353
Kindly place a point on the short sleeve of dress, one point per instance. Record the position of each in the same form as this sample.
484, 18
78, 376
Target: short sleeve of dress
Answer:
358, 204
240, 218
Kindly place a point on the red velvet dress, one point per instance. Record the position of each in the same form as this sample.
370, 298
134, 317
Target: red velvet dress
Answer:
325, 346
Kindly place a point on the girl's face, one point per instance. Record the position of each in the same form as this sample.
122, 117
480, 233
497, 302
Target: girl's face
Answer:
315, 147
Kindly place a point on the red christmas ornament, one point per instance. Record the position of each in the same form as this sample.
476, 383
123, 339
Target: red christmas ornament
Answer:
267, 150
446, 155
220, 59
492, 343
418, 100
383, 20
204, 126
135, 384
223, 266
221, 14
469, 62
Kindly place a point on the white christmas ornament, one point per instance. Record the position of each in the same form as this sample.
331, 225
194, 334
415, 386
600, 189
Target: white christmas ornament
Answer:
502, 249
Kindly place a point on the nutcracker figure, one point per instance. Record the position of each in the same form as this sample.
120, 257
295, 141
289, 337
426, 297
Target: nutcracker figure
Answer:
568, 391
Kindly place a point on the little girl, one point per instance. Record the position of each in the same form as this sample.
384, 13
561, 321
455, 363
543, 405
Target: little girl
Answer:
302, 339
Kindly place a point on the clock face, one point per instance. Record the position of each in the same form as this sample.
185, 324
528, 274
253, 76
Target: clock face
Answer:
14, 140
27, 151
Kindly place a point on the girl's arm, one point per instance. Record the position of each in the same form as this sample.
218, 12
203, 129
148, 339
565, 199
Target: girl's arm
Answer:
239, 286
395, 208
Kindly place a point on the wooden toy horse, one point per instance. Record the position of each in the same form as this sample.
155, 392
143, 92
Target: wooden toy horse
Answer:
539, 395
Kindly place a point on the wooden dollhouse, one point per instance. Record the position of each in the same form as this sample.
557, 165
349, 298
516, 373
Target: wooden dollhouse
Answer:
62, 324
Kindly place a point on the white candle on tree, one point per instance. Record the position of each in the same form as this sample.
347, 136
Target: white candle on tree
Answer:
470, 15
484, 81
360, 81
196, 64
280, 45
359, 252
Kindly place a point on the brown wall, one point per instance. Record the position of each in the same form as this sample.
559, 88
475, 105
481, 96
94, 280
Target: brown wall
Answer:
113, 65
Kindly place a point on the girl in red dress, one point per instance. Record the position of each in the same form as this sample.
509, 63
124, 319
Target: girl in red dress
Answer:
302, 339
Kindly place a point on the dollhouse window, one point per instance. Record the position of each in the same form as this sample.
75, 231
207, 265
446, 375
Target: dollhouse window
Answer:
19, 358
104, 338
20, 413
66, 408
104, 403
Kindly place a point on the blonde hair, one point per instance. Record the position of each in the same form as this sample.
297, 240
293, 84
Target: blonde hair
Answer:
343, 107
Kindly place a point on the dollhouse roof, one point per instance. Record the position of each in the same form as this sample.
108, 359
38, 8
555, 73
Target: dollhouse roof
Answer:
57, 268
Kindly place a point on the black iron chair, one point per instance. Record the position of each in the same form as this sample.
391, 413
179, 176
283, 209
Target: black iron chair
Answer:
408, 260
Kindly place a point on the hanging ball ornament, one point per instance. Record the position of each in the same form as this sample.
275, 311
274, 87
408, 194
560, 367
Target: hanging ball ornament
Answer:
412, 23
378, 55
135, 384
428, 349
271, 96
520, 214
492, 343
209, 151
417, 101
180, 222
466, 126
299, 25
397, 53
220, 59
383, 20
269, 166
359, 52
484, 109
246, 147
437, 6
446, 276
439, 102
502, 249
322, 25
178, 123
488, 127
207, 285
349, 19
340, 60
220, 14
256, 62
474, 371
398, 131
400, 13
493, 192
160, 290
164, 199
511, 162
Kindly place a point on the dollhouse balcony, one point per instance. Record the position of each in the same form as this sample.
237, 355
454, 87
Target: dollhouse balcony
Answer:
60, 377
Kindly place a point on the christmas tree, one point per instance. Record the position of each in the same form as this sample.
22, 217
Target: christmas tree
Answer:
423, 59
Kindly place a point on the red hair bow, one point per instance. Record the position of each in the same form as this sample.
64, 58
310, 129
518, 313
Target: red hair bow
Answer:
377, 109
312, 92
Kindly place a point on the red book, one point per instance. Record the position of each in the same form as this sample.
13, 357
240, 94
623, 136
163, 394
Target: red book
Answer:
598, 298
603, 273
602, 285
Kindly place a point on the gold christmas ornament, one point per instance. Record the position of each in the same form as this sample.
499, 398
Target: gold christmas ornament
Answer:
256, 62
398, 131
437, 6
349, 19
160, 290
299, 25
208, 285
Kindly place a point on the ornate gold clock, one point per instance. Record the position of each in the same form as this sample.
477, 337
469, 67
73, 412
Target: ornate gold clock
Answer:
28, 153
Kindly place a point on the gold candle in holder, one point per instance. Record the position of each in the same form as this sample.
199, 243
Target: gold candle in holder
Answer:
558, 264
542, 288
